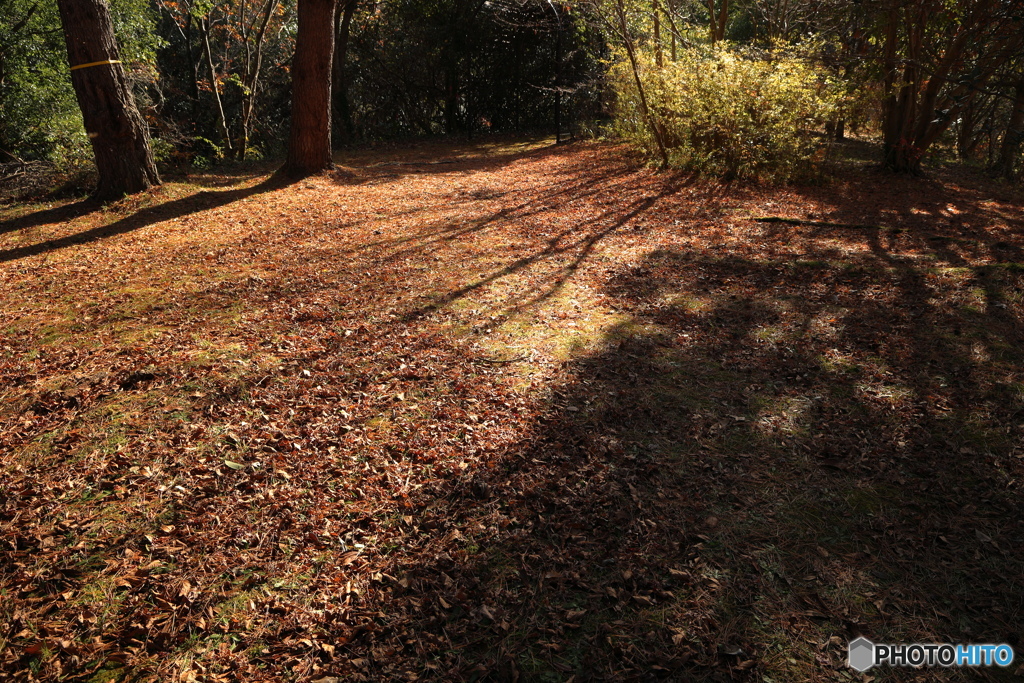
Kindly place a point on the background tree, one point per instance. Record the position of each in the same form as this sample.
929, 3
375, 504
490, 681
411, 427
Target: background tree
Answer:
226, 115
619, 24
120, 140
937, 58
35, 92
40, 117
718, 14
427, 67
1008, 160
213, 78
205, 24
342, 114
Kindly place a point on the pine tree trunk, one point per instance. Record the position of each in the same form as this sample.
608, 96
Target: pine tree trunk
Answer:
309, 146
120, 140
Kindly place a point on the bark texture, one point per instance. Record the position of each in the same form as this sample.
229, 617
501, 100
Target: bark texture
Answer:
309, 146
120, 140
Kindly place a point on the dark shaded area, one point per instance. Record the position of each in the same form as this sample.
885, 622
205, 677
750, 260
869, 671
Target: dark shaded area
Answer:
769, 458
465, 67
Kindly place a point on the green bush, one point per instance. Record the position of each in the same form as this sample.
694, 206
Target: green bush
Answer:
729, 113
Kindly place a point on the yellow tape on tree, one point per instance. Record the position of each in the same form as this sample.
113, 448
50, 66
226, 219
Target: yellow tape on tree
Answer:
105, 61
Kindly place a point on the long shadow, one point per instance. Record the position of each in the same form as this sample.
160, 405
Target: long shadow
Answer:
561, 244
942, 227
54, 215
410, 162
140, 219
959, 215
766, 457
577, 183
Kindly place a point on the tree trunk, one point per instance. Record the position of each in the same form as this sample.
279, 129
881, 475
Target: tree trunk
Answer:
1009, 152
719, 17
194, 64
309, 146
965, 132
899, 152
620, 10
558, 79
120, 141
204, 29
251, 77
451, 100
929, 97
666, 9
339, 76
659, 58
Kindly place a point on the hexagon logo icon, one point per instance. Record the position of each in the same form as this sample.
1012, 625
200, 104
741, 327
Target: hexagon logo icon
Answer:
862, 654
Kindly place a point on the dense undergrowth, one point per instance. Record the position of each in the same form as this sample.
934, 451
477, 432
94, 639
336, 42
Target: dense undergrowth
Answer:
733, 113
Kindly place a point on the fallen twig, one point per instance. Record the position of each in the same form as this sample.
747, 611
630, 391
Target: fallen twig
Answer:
502, 361
417, 163
820, 224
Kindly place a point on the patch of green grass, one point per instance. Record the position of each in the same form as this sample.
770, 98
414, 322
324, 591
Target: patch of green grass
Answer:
110, 672
103, 597
688, 303
835, 364
867, 501
771, 334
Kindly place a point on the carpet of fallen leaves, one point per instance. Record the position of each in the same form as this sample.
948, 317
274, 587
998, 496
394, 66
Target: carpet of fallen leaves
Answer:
509, 412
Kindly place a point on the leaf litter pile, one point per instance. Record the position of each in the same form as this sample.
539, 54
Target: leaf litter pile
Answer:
509, 412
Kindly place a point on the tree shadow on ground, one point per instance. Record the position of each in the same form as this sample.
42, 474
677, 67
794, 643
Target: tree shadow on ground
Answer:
376, 165
142, 218
471, 161
959, 207
64, 212
549, 236
764, 456
769, 458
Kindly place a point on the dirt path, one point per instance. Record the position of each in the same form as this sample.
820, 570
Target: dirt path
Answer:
508, 412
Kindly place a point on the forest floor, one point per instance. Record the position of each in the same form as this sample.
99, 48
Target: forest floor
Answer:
510, 412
